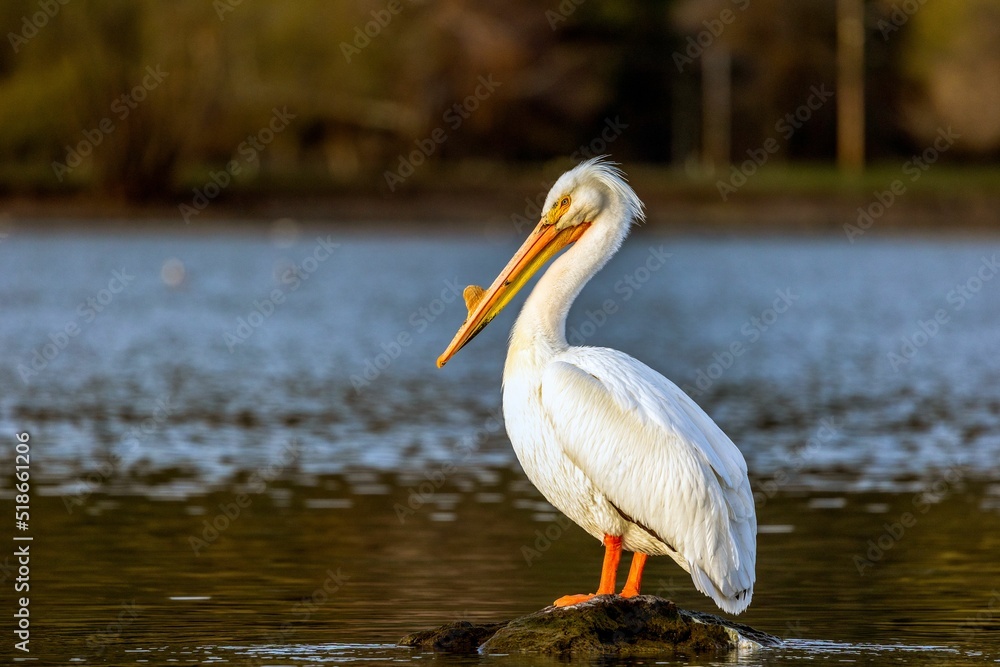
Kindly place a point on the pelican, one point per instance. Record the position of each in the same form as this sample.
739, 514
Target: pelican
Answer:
608, 441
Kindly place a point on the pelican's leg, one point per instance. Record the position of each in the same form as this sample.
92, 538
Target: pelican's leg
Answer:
609, 573
634, 575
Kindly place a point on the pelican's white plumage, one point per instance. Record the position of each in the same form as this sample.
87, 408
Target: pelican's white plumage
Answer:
614, 445
642, 460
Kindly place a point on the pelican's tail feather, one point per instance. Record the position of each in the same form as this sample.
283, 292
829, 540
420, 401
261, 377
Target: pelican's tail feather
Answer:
732, 604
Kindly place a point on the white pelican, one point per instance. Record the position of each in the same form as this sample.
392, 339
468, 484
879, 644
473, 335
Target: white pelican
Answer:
614, 445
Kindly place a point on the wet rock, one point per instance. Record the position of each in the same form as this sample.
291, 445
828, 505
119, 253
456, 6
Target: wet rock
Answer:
458, 637
608, 624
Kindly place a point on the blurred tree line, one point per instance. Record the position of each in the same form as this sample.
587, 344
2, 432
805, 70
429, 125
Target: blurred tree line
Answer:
140, 98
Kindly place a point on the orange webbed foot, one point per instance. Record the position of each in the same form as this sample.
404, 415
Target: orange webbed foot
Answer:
570, 600
609, 572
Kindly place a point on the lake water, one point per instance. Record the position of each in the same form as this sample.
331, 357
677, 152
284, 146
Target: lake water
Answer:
242, 452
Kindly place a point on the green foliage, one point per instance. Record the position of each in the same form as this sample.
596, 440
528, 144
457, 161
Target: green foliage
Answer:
367, 79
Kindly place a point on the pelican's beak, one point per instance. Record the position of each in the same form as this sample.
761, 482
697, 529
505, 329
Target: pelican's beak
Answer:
544, 242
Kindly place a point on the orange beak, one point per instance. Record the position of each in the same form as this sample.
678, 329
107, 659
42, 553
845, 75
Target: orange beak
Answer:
541, 245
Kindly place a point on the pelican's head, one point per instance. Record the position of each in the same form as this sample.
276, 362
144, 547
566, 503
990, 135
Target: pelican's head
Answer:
592, 195
588, 190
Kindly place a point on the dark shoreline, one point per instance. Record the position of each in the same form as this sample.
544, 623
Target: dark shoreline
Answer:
752, 214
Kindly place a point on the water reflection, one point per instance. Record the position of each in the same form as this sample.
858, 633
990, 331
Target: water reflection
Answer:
326, 365
298, 569
257, 503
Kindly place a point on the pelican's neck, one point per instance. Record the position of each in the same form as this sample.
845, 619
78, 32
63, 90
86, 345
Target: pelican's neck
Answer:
540, 330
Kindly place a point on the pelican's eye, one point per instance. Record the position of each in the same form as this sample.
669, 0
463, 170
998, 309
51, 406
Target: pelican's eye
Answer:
559, 208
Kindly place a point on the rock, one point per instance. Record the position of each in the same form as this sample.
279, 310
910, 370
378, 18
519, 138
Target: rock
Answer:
608, 624
458, 637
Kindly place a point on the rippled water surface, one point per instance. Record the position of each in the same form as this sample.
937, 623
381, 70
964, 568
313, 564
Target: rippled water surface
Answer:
243, 452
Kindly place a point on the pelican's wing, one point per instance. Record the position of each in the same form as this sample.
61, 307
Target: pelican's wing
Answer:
663, 462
